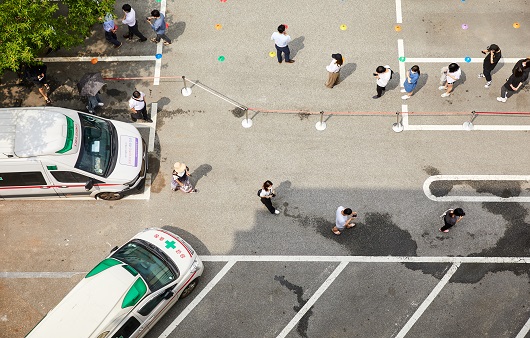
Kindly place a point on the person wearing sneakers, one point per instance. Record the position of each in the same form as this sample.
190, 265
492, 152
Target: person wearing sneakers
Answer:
159, 26
343, 219
453, 74
413, 74
383, 76
129, 19
513, 83
181, 178
139, 107
110, 31
493, 55
37, 75
266, 193
451, 217
281, 41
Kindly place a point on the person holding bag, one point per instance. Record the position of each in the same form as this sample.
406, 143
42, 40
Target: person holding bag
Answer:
181, 178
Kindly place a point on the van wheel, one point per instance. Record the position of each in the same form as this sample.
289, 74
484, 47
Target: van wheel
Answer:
109, 196
191, 286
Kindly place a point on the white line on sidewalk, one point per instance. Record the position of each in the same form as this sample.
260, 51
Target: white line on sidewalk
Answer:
524, 330
434, 127
399, 15
401, 53
152, 127
461, 60
431, 179
312, 300
22, 275
197, 299
428, 301
100, 58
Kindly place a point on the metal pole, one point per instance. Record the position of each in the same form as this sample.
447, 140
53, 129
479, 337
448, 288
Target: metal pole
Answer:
398, 126
321, 125
469, 124
246, 123
186, 91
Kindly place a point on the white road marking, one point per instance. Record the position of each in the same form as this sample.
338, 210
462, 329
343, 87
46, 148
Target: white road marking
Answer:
524, 330
100, 58
152, 127
401, 53
197, 299
518, 199
439, 127
158, 64
34, 275
399, 15
428, 301
312, 300
458, 60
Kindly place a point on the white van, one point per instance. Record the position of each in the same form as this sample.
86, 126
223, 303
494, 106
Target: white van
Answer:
127, 293
58, 152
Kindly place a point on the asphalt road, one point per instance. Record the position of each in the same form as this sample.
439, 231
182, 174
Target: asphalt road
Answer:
358, 161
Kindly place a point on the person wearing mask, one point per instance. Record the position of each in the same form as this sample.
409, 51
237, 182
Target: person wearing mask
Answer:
493, 55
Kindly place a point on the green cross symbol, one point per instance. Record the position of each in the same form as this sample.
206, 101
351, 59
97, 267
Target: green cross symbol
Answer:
170, 245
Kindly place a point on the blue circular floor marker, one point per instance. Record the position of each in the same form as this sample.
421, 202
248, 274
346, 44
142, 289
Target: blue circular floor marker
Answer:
158, 56
467, 59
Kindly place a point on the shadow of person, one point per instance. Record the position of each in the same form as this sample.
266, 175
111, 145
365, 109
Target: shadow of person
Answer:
460, 81
394, 83
347, 70
296, 45
199, 173
424, 77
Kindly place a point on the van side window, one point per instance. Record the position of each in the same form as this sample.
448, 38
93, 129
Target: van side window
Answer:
147, 308
70, 177
127, 329
22, 179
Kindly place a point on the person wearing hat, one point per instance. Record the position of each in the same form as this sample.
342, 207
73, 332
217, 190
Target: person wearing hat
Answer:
334, 70
493, 55
181, 178
451, 217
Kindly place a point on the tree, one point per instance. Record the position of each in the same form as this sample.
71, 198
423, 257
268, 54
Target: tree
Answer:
28, 27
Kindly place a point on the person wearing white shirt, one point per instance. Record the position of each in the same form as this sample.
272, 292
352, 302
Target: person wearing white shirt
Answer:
139, 107
383, 75
129, 19
453, 73
281, 41
334, 70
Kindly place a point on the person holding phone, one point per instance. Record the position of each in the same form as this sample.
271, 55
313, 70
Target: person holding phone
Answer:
493, 55
383, 74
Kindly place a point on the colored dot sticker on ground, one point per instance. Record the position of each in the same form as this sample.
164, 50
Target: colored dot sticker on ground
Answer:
272, 54
516, 25
465, 26
218, 26
221, 58
402, 59
463, 1
158, 56
467, 59
223, 0
286, 26
397, 28
167, 25
94, 61
343, 27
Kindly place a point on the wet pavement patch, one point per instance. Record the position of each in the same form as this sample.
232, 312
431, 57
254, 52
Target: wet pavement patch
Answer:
238, 112
500, 188
299, 292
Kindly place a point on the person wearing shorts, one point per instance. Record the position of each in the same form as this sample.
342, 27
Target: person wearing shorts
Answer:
453, 73
343, 220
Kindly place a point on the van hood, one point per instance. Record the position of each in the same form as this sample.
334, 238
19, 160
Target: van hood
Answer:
130, 152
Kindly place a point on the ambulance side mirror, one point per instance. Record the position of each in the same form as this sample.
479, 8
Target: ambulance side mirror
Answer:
89, 185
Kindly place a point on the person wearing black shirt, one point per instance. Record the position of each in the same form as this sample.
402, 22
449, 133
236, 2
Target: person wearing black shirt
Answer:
514, 82
525, 65
493, 55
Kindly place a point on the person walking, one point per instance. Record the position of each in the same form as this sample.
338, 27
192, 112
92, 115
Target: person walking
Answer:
451, 217
493, 55
181, 178
281, 41
334, 70
159, 26
413, 74
266, 193
139, 107
129, 19
343, 219
513, 83
110, 31
383, 74
37, 75
452, 74
94, 101
524, 64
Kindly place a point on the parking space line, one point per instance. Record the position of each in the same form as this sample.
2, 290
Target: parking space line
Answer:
449, 60
457, 127
524, 330
401, 53
312, 300
23, 275
369, 259
197, 299
399, 15
518, 199
428, 301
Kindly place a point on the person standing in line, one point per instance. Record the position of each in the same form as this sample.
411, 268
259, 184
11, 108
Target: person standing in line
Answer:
266, 193
281, 41
343, 220
413, 74
334, 70
493, 55
37, 75
513, 83
110, 32
383, 74
453, 73
129, 19
159, 26
451, 217
138, 107
181, 178
94, 101
524, 64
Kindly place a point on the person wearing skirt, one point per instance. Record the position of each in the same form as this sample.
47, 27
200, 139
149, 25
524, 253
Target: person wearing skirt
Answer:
181, 178
334, 70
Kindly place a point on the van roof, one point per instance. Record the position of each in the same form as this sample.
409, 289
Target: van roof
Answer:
91, 306
28, 132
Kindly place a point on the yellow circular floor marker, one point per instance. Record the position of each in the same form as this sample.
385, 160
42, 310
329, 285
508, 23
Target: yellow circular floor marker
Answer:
343, 27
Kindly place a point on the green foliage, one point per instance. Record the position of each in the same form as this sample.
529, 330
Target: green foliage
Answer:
30, 27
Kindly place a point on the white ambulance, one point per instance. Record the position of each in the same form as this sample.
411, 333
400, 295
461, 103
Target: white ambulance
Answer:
58, 152
128, 292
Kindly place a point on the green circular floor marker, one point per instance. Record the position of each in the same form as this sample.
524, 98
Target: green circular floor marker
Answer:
221, 58
401, 59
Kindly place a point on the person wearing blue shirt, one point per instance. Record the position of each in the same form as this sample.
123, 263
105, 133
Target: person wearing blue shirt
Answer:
159, 26
110, 32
